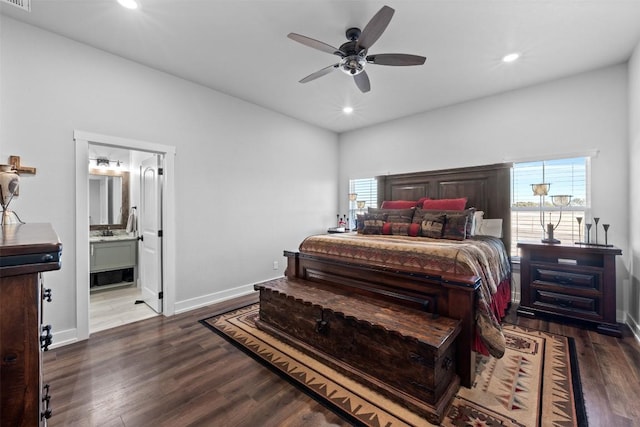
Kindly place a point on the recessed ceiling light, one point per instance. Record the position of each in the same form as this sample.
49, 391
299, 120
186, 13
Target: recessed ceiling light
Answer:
129, 4
511, 57
347, 110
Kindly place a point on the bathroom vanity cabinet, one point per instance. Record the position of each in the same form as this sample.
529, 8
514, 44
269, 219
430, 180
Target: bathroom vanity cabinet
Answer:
111, 258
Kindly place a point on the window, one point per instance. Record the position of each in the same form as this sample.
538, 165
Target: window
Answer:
566, 176
366, 191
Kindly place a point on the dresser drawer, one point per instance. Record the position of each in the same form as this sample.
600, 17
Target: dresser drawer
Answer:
555, 301
564, 276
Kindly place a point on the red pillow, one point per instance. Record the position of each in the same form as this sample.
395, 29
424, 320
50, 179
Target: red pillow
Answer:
386, 228
398, 204
421, 201
414, 230
446, 204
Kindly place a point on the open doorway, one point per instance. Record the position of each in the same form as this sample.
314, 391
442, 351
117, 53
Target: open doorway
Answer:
164, 246
125, 280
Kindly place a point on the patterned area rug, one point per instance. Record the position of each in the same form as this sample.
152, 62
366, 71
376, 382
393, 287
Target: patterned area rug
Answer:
536, 383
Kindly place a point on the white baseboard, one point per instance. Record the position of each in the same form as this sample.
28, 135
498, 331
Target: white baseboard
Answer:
634, 326
62, 338
216, 297
621, 316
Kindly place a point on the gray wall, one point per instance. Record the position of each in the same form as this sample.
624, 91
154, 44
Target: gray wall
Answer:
227, 235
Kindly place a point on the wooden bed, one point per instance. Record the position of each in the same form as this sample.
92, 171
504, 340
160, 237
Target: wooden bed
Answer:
487, 188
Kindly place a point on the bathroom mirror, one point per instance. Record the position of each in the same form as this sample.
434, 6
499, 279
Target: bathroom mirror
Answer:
108, 199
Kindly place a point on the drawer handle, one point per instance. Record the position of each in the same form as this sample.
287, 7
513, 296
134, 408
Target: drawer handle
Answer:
46, 399
563, 280
564, 302
46, 338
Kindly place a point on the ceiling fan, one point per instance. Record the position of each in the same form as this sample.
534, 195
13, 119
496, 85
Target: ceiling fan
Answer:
353, 53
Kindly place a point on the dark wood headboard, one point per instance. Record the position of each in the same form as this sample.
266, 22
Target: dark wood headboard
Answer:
487, 188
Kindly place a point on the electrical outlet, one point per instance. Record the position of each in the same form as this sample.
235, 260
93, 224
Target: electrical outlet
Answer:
275, 265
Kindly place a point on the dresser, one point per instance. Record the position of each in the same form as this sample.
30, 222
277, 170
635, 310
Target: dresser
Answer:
26, 251
570, 281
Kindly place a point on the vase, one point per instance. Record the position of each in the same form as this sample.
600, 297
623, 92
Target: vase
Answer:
9, 182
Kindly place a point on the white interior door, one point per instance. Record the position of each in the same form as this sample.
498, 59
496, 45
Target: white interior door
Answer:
151, 232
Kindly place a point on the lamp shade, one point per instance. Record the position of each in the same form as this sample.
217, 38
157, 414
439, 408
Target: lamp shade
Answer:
353, 197
561, 200
540, 189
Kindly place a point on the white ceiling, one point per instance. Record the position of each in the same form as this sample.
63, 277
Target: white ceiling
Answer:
240, 47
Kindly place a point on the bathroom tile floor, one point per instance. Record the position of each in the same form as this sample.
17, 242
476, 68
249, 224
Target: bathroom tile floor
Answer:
114, 307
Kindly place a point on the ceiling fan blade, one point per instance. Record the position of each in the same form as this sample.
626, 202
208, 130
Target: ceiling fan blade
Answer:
362, 81
396, 59
316, 44
376, 26
319, 73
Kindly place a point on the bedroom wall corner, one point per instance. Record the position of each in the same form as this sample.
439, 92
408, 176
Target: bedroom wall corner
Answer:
633, 290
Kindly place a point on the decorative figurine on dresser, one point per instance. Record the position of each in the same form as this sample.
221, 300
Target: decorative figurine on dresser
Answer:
26, 250
576, 281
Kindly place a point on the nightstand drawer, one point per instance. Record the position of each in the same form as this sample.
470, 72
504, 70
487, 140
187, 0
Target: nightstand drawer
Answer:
557, 301
583, 279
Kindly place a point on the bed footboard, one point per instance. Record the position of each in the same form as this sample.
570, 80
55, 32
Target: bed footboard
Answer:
442, 295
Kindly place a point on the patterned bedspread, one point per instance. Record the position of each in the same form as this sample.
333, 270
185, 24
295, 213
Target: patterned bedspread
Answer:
480, 256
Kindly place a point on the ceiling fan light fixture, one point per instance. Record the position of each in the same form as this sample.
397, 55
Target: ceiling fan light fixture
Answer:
512, 57
353, 53
128, 4
347, 110
353, 64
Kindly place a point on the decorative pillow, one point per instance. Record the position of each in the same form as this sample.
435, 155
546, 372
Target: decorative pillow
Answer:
455, 227
399, 228
432, 225
414, 230
395, 215
421, 201
373, 223
386, 228
398, 204
445, 204
469, 212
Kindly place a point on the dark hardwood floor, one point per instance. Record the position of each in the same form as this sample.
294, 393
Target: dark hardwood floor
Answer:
175, 372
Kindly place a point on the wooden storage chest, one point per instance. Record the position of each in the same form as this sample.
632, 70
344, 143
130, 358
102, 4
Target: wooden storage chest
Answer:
405, 354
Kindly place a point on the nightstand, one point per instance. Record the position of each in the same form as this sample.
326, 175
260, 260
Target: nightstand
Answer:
570, 281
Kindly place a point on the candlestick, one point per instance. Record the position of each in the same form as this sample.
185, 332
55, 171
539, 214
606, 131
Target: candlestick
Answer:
579, 219
606, 230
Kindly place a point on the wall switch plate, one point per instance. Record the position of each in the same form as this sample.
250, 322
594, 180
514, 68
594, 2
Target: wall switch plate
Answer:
275, 265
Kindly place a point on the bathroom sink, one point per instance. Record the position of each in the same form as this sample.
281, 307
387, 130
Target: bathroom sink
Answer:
116, 237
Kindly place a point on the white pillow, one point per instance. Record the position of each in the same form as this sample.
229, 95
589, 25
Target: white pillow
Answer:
476, 222
490, 227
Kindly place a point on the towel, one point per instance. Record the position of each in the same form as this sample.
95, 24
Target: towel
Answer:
132, 223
